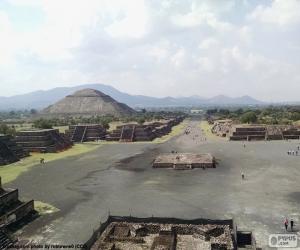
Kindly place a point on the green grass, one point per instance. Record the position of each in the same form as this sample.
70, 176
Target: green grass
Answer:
44, 208
10, 172
297, 123
62, 129
206, 127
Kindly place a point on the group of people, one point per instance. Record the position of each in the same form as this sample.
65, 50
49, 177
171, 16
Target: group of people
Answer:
294, 152
286, 224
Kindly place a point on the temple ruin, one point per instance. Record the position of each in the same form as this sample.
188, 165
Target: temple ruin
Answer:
42, 140
182, 161
9, 151
221, 127
248, 132
12, 210
146, 132
86, 132
88, 102
154, 233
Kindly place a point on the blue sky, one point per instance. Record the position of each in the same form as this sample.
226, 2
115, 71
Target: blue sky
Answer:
154, 47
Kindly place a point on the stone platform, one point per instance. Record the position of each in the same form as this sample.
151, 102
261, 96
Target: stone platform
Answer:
184, 161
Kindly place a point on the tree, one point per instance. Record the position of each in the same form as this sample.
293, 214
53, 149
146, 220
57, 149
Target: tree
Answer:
33, 111
43, 124
105, 124
6, 130
248, 117
141, 120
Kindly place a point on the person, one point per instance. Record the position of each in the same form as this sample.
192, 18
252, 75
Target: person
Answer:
286, 224
42, 160
292, 224
243, 176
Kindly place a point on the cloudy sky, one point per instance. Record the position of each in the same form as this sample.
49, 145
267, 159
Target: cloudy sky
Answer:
153, 47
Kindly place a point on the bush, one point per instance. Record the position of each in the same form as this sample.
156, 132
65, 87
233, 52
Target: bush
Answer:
6, 130
248, 117
43, 124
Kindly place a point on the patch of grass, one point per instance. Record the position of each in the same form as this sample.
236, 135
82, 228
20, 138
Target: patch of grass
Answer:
297, 123
62, 129
206, 127
23, 126
12, 171
44, 208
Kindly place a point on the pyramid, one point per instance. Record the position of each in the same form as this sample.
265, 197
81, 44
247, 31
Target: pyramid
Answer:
88, 102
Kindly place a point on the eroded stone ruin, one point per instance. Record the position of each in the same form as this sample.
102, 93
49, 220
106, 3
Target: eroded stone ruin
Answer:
145, 132
182, 161
88, 102
9, 151
166, 233
248, 132
86, 132
42, 140
12, 210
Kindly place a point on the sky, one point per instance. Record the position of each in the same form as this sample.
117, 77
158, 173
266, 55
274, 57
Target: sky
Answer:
154, 47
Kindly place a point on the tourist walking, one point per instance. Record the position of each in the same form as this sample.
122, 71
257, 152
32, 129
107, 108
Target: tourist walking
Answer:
292, 224
286, 224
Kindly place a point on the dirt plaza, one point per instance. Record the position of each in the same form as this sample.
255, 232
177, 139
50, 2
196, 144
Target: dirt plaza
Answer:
118, 179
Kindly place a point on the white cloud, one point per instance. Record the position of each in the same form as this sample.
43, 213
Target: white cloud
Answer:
200, 15
153, 47
281, 12
208, 43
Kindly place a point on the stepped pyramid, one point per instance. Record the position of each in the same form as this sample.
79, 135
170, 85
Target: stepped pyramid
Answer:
89, 102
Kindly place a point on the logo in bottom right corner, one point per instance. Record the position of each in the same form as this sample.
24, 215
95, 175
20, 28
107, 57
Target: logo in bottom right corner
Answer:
283, 240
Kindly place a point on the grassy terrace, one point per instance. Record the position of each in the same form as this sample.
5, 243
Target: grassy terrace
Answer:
12, 171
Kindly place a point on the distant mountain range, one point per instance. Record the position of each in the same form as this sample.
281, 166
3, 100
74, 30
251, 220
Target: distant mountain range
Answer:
43, 98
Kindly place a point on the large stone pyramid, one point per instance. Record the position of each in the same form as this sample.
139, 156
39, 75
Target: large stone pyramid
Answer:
88, 102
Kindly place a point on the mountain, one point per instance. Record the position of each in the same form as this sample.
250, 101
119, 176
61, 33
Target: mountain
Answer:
225, 100
43, 98
88, 102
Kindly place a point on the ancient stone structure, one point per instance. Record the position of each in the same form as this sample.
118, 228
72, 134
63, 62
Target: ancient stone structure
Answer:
145, 132
9, 151
248, 132
131, 132
264, 132
12, 210
42, 140
87, 102
291, 132
183, 161
167, 233
221, 127
86, 132
6, 242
